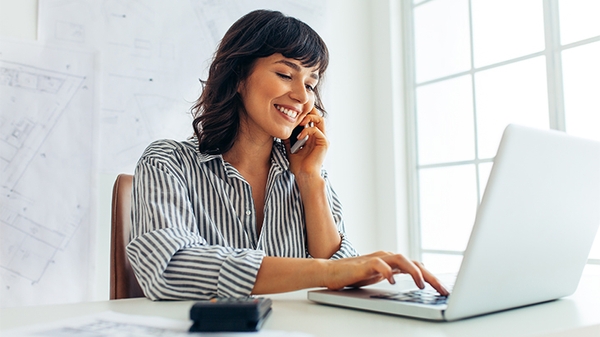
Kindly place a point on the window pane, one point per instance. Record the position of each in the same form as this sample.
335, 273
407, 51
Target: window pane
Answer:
442, 263
441, 39
581, 83
515, 93
445, 121
579, 20
447, 209
503, 30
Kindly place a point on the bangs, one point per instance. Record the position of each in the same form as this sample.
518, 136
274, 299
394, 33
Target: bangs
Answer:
301, 43
262, 33
295, 39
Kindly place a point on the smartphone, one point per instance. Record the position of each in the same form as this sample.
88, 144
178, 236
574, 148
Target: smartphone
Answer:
295, 143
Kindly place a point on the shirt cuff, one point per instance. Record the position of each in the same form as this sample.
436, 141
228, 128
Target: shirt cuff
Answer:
238, 273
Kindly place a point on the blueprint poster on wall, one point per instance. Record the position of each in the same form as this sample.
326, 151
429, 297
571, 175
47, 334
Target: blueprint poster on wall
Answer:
46, 160
105, 79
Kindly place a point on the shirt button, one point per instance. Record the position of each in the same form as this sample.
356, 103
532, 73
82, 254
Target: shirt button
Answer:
248, 212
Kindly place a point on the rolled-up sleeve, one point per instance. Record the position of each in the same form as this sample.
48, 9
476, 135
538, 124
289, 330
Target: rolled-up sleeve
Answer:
169, 256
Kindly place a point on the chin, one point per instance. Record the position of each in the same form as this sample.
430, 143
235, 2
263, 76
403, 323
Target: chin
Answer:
284, 135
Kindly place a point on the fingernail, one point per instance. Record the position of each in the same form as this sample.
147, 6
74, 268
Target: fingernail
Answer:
392, 280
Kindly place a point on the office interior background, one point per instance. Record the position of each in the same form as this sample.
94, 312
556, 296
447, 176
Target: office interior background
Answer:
418, 93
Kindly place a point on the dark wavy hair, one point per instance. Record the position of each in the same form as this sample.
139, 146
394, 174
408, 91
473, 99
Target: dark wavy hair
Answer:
260, 33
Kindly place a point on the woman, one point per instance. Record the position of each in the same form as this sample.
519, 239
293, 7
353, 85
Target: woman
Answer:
232, 212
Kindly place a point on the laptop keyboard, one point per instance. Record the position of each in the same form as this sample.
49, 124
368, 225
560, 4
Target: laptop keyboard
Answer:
425, 296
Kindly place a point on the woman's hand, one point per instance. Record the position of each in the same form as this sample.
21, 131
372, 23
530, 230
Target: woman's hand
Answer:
369, 269
280, 274
307, 162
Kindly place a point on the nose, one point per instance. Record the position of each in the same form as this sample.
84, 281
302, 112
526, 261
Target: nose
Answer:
299, 93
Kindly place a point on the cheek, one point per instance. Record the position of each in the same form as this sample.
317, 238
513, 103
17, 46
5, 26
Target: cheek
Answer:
251, 97
263, 92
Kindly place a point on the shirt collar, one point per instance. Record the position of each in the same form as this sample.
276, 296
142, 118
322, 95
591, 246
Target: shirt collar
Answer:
278, 155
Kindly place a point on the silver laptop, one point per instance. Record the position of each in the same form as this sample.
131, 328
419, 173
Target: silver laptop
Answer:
530, 242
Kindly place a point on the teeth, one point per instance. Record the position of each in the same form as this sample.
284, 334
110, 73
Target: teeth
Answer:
290, 113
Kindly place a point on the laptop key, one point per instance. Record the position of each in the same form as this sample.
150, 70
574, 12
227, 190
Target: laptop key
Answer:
415, 296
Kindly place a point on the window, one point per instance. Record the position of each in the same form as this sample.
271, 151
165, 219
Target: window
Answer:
474, 66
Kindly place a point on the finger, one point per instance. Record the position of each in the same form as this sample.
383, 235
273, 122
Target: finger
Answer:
380, 253
311, 131
431, 279
315, 117
383, 269
408, 267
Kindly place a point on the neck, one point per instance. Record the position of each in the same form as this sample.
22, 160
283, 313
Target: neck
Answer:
251, 151
249, 155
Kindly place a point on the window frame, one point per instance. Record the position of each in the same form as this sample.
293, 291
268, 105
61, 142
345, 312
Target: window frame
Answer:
556, 108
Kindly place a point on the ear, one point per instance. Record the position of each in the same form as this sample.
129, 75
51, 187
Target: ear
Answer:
241, 87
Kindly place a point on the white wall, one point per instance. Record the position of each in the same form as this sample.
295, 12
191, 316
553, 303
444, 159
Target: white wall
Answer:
348, 98
367, 128
18, 19
362, 95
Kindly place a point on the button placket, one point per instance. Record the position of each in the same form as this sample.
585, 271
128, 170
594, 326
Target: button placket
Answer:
249, 220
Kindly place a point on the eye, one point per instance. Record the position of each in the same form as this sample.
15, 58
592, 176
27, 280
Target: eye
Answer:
310, 88
284, 76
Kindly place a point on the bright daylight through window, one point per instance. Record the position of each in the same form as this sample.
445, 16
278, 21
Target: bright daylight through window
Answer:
473, 67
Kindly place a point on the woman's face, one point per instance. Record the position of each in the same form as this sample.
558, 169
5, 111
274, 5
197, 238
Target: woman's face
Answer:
277, 95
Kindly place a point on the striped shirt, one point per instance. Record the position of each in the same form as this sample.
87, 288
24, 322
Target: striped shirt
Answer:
194, 233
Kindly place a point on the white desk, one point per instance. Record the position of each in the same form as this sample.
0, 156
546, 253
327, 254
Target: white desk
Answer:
576, 315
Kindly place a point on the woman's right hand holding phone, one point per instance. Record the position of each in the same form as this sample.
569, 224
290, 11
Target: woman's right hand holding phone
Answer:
309, 159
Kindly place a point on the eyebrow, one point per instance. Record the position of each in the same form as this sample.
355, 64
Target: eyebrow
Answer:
297, 68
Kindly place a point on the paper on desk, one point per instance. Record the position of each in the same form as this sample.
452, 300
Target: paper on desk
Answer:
115, 324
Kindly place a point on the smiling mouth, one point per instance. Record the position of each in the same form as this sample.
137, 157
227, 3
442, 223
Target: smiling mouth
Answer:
287, 112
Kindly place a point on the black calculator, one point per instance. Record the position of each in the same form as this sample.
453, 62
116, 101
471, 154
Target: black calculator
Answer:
230, 314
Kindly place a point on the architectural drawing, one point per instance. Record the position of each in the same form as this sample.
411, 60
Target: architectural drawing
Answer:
107, 324
108, 328
39, 97
34, 100
46, 146
148, 49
